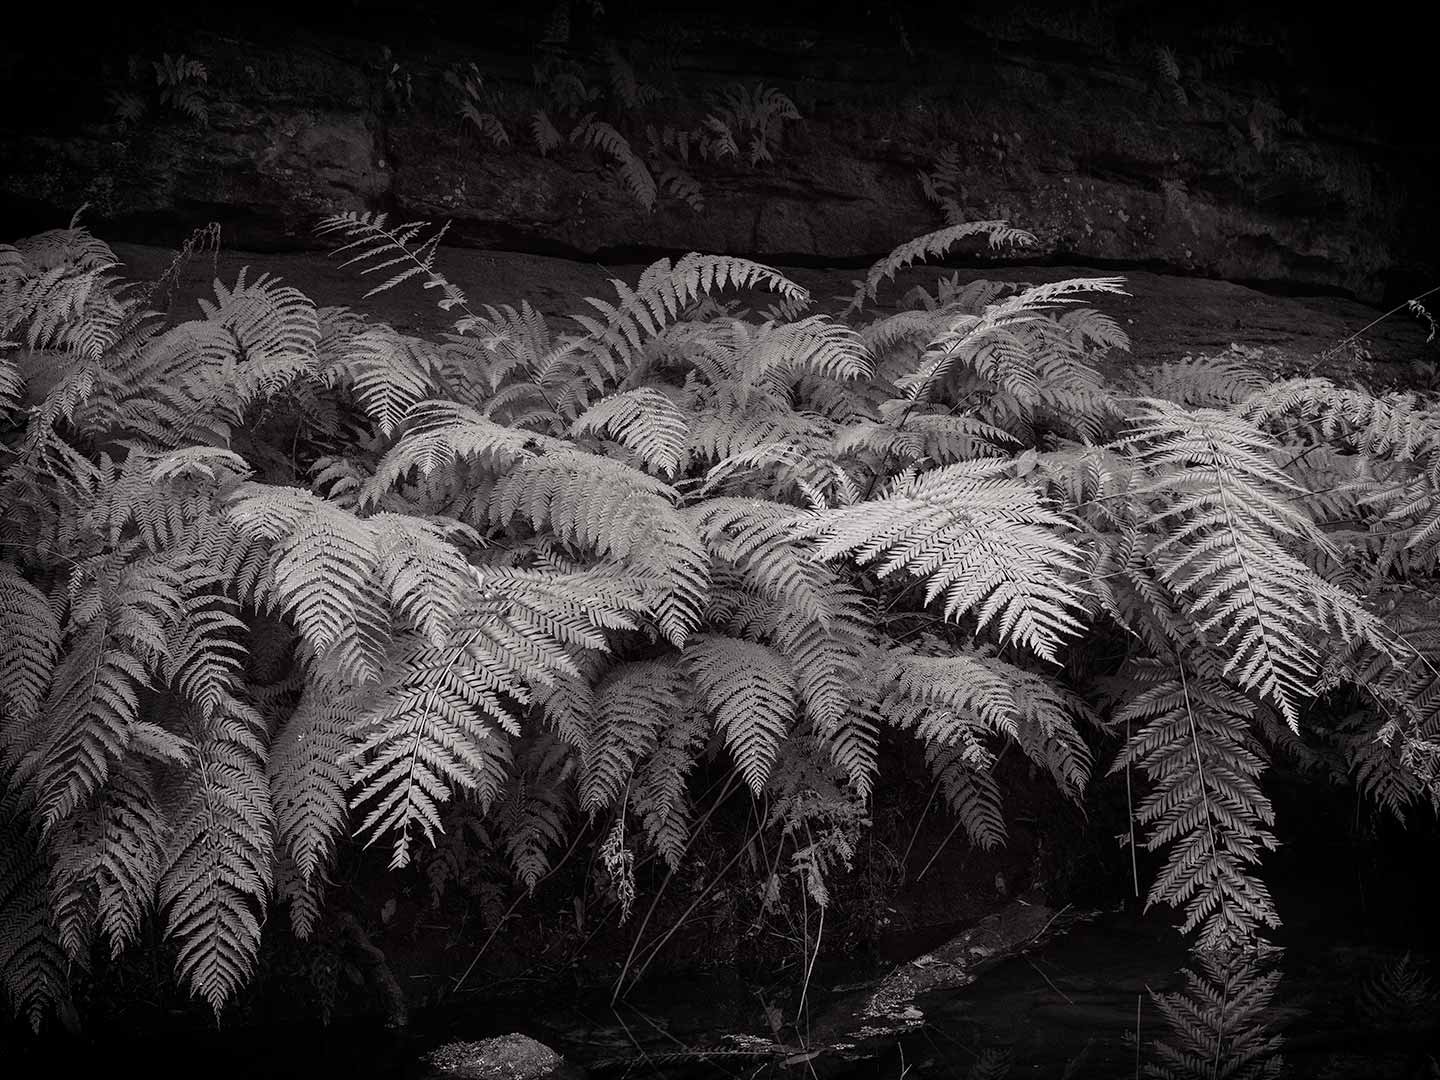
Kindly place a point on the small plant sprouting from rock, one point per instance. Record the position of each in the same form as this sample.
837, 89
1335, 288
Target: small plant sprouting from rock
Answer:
181, 82
478, 105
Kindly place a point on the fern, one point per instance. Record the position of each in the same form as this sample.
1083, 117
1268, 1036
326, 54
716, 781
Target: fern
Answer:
218, 870
930, 246
1219, 1023
1194, 746
984, 542
278, 576
750, 691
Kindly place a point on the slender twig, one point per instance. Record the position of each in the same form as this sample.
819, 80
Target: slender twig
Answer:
669, 876
655, 949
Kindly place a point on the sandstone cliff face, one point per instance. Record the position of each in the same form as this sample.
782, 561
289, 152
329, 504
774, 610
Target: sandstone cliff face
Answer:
1211, 151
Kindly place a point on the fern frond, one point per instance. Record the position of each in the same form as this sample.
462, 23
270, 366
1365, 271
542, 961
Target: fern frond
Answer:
986, 542
637, 178
389, 372
432, 727
1219, 1024
634, 702
218, 875
309, 778
376, 241
275, 327
325, 569
107, 862
1223, 514
29, 647
1193, 743
534, 815
659, 297
12, 387
813, 345
438, 434
929, 246
750, 692
660, 796
32, 964
646, 421
1215, 382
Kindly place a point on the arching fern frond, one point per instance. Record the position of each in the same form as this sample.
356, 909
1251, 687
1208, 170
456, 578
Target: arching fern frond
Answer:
373, 239
657, 300
930, 246
1222, 509
325, 571
985, 542
438, 723
645, 420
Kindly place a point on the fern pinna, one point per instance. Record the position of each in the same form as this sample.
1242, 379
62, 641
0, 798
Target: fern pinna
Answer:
280, 572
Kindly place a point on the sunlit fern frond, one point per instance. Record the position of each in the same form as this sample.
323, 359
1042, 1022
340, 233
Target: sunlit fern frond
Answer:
309, 778
106, 863
218, 874
275, 328
1228, 526
749, 690
929, 246
374, 240
422, 570
816, 345
119, 619
1209, 381
598, 504
662, 293
325, 573
1009, 346
1192, 739
441, 435
439, 722
388, 372
647, 421
987, 543
1394, 425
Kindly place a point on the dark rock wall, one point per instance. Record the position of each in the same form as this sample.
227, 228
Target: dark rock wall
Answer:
1225, 143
